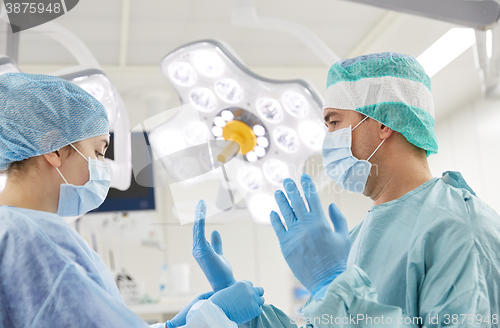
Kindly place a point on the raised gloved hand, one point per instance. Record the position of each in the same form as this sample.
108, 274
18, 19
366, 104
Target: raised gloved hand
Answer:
180, 319
312, 250
241, 302
210, 257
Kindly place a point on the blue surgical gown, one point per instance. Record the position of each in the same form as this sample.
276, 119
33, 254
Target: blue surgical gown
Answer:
49, 277
432, 254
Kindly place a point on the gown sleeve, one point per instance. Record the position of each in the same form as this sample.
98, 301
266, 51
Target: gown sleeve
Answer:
205, 314
270, 317
447, 285
453, 294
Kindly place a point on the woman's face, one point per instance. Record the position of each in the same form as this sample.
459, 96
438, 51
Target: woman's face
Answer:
74, 167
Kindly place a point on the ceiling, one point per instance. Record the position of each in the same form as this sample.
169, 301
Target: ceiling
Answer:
153, 28
157, 26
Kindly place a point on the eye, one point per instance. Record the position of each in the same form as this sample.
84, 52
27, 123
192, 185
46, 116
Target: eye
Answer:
334, 123
99, 154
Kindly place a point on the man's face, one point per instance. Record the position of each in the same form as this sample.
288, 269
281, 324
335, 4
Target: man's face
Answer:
336, 119
365, 138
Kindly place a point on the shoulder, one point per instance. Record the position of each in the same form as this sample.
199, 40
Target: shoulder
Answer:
18, 230
11, 221
446, 204
459, 206
23, 244
452, 217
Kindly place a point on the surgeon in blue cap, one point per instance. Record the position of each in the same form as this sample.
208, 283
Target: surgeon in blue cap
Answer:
427, 252
53, 137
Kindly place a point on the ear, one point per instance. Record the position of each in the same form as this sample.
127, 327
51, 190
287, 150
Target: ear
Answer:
385, 132
54, 158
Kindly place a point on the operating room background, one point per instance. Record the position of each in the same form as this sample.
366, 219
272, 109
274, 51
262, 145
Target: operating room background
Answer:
129, 38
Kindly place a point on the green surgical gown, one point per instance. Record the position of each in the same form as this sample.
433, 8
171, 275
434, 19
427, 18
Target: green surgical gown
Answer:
428, 259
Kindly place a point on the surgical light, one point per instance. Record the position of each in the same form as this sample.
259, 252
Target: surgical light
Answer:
219, 121
203, 99
182, 73
185, 167
275, 171
263, 142
227, 115
195, 132
295, 103
217, 131
97, 84
451, 45
287, 139
168, 142
312, 134
96, 90
229, 90
208, 63
269, 109
267, 121
250, 177
259, 151
259, 130
251, 156
243, 128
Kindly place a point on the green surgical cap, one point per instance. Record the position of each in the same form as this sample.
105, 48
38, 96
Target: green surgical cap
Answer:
391, 88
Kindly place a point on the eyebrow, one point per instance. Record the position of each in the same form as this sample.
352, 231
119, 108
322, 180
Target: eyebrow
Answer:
329, 115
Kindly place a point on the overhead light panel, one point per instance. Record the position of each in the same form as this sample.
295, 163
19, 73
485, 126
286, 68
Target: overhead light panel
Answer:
272, 127
489, 43
451, 45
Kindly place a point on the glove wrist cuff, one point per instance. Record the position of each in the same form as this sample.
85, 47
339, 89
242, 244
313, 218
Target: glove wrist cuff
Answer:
217, 287
336, 271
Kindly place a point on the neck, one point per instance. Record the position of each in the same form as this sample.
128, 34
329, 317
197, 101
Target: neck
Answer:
29, 192
399, 178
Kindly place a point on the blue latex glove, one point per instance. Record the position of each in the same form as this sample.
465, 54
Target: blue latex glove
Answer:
312, 250
241, 302
180, 319
210, 257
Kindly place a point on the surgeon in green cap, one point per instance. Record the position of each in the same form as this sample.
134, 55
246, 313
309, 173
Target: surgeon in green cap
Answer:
426, 254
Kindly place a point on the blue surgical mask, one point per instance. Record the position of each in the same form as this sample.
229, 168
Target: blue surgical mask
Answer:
78, 200
346, 171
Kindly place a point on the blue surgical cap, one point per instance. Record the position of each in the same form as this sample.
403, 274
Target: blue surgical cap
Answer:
40, 114
389, 87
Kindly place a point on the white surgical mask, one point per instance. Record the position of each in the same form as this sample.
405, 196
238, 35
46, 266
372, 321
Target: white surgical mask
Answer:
78, 200
339, 163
